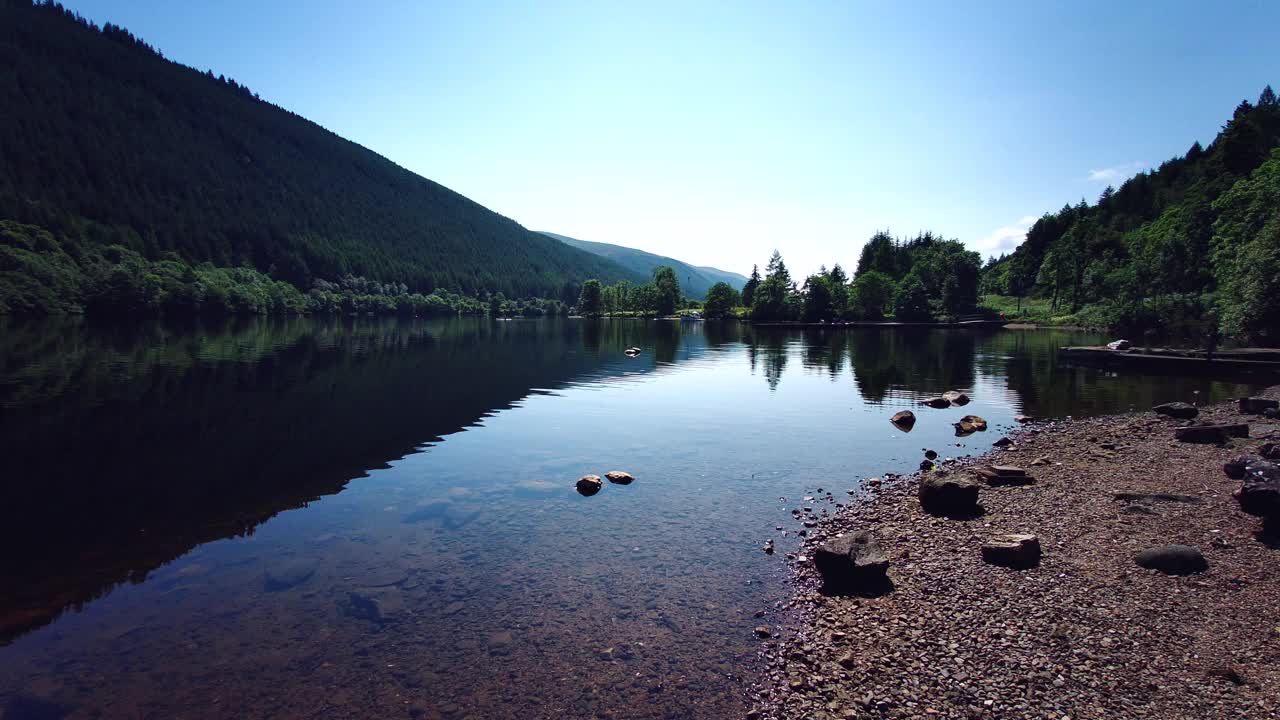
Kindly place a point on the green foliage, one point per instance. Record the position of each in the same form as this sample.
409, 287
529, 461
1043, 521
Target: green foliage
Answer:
819, 302
911, 300
871, 295
667, 288
749, 289
1186, 248
775, 299
1246, 253
590, 303
720, 302
110, 144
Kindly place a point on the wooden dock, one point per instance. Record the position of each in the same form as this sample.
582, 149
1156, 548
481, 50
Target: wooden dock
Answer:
1249, 361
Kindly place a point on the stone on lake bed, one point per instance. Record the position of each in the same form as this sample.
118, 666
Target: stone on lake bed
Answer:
1180, 410
619, 477
589, 485
1173, 559
288, 574
1015, 551
852, 561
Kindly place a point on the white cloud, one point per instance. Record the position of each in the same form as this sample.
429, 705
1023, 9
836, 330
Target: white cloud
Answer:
1116, 174
1005, 239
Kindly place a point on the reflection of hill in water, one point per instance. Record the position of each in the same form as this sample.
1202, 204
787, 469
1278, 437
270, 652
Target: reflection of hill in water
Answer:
125, 448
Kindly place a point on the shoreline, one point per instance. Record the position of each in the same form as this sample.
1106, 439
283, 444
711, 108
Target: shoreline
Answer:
1085, 634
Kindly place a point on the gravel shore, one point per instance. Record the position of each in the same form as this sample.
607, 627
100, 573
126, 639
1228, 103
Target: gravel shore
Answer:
1086, 634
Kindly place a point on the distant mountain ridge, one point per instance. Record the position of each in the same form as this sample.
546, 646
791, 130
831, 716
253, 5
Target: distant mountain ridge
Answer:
695, 280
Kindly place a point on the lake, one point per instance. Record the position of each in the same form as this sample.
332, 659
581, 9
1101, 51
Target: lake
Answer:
377, 518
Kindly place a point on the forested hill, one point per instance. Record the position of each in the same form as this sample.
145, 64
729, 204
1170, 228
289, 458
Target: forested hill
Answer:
694, 280
1192, 245
105, 142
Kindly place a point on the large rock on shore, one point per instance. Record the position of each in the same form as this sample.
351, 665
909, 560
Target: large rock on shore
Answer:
948, 495
1173, 559
1257, 405
1259, 492
1180, 410
1211, 433
999, 475
1015, 551
852, 562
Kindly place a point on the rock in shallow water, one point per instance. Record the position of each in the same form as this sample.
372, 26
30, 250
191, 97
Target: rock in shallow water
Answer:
1173, 559
903, 419
287, 575
618, 477
955, 397
589, 485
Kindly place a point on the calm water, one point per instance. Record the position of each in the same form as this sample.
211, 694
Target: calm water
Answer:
369, 518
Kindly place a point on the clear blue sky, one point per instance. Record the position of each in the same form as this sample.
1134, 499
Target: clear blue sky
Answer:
715, 132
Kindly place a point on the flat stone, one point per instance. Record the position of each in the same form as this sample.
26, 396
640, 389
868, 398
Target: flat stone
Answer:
1015, 551
1257, 405
1001, 475
1180, 410
1173, 559
619, 477
1210, 433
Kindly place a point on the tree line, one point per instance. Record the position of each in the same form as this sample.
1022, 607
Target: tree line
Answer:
1190, 248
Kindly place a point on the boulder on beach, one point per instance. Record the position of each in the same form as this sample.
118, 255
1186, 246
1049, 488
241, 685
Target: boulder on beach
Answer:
1173, 559
955, 397
1257, 405
1259, 492
589, 485
1002, 442
1015, 551
854, 561
1270, 451
936, 402
1022, 419
619, 477
1211, 433
1180, 410
948, 495
904, 419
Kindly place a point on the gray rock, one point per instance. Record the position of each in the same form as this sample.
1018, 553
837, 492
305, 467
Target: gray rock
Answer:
589, 485
1211, 433
288, 574
854, 561
1259, 492
948, 495
618, 477
1180, 410
1173, 559
1257, 405
1015, 551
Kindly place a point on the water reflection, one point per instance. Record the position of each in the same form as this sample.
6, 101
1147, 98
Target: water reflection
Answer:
462, 574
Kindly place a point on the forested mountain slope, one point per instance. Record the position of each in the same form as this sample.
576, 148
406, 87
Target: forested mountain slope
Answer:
694, 280
1190, 246
105, 142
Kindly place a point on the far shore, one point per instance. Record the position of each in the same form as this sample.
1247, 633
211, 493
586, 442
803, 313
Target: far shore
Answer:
1087, 633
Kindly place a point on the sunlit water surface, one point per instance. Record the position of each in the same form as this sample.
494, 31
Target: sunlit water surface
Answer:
377, 518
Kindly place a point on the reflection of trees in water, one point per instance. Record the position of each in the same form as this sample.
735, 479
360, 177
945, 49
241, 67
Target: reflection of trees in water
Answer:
913, 359
201, 432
